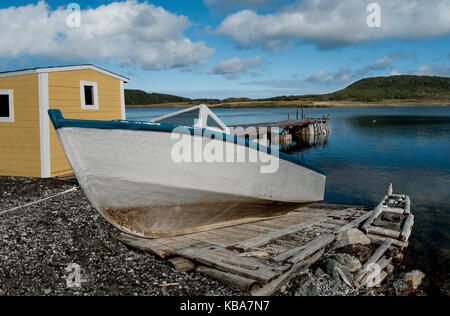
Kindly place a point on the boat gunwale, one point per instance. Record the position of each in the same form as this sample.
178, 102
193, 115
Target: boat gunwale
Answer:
59, 122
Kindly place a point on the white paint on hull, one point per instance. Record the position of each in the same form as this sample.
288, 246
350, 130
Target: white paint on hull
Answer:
132, 173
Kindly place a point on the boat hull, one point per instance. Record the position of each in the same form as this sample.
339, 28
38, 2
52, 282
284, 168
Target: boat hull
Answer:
133, 180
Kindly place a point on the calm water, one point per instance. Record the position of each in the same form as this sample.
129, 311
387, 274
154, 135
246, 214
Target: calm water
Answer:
370, 147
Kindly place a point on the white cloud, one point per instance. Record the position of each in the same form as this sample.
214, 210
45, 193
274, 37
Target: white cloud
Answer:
395, 72
130, 32
432, 70
330, 23
234, 67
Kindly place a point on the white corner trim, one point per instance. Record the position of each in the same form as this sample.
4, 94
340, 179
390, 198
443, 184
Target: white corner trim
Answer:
122, 100
44, 125
84, 106
9, 119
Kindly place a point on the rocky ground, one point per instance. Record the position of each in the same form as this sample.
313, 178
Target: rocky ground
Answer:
38, 244
43, 245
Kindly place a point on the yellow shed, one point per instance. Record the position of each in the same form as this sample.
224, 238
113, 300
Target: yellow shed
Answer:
29, 146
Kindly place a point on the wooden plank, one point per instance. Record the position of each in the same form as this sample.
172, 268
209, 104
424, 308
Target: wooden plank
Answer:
276, 284
407, 227
288, 254
407, 205
312, 247
232, 264
383, 232
264, 239
233, 280
395, 242
375, 213
395, 210
381, 265
354, 223
366, 268
181, 264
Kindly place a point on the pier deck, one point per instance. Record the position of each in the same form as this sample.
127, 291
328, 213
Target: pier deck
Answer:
292, 126
259, 257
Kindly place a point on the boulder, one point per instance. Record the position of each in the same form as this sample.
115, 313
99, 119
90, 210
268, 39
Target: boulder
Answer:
307, 290
414, 278
351, 237
320, 273
331, 266
360, 252
351, 263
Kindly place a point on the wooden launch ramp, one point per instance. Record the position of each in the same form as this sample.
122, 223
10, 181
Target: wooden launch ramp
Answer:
262, 256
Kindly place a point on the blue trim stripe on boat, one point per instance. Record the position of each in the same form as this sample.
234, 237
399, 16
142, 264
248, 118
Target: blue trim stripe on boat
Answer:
59, 121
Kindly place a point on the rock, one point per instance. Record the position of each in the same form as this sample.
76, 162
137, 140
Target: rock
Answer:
350, 237
330, 268
414, 278
307, 290
320, 273
351, 263
360, 252
47, 291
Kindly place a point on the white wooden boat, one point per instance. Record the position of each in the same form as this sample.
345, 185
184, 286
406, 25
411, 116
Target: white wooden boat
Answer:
128, 172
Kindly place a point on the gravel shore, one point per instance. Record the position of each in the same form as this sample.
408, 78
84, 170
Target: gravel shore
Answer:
38, 243
43, 245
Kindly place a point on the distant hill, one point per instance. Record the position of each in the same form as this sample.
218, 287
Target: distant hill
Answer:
139, 97
405, 88
392, 88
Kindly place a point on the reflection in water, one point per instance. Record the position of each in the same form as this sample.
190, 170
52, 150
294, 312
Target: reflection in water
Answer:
370, 147
304, 143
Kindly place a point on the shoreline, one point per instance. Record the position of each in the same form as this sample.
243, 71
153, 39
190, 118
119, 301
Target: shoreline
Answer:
293, 104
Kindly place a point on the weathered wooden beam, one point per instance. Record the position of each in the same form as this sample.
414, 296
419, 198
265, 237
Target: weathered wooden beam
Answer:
231, 279
374, 272
407, 227
395, 242
266, 238
407, 205
369, 263
354, 223
181, 264
276, 284
395, 210
383, 232
288, 254
375, 213
312, 247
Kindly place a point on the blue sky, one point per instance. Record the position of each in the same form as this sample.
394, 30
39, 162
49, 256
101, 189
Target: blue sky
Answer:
231, 48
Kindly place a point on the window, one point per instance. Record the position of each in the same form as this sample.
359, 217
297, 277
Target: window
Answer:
89, 95
6, 106
185, 119
213, 123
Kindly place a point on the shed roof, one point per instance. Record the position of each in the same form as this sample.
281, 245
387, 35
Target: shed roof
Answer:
60, 68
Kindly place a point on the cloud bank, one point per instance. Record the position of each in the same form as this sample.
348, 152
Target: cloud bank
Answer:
132, 33
330, 24
234, 67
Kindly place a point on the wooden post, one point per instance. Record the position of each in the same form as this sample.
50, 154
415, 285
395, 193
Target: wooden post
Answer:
297, 112
303, 117
389, 192
407, 227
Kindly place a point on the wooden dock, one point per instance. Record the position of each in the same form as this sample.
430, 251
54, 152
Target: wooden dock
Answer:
262, 256
259, 257
310, 126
